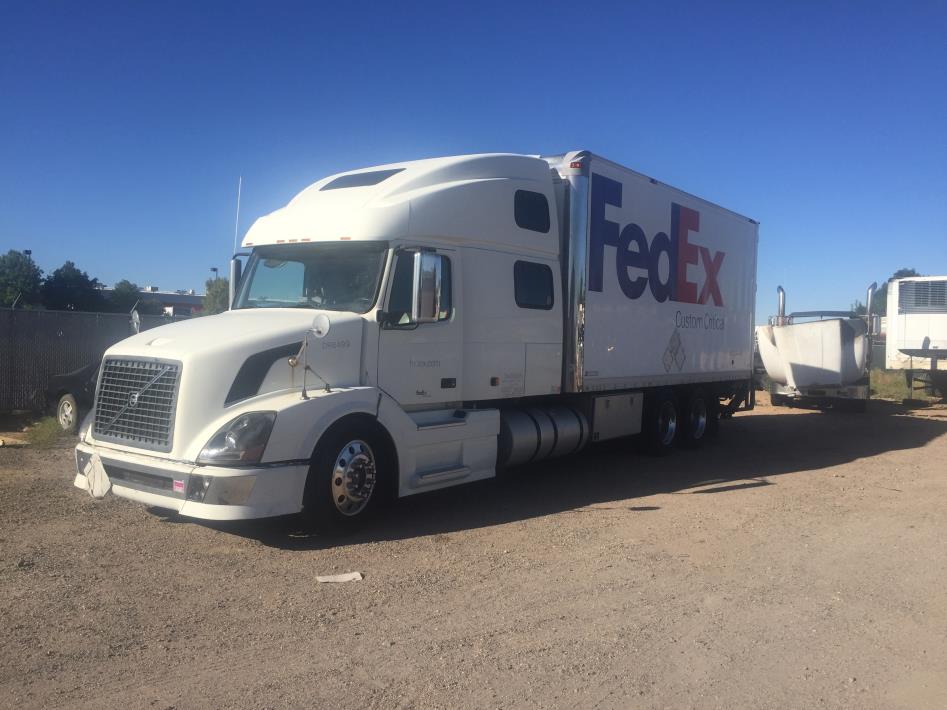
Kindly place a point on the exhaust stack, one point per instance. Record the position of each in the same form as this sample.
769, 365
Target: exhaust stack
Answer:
781, 312
868, 299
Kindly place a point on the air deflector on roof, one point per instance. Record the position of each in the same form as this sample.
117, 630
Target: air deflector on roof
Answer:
360, 179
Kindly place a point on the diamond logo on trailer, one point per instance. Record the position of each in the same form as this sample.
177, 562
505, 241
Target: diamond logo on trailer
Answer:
674, 355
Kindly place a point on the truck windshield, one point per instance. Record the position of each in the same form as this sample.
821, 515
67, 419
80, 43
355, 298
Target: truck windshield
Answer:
333, 277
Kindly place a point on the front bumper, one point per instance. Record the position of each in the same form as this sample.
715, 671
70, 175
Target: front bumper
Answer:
205, 492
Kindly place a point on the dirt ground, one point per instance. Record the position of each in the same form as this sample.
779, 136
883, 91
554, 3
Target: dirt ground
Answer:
799, 560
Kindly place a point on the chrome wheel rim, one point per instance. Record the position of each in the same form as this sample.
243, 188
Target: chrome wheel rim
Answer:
353, 477
698, 423
667, 422
67, 414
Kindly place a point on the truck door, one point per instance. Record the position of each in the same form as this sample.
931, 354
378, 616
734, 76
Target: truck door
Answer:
420, 354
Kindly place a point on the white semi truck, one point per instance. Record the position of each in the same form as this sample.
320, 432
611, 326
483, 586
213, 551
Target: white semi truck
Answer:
414, 326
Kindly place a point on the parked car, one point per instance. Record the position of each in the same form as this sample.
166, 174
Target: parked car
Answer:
70, 395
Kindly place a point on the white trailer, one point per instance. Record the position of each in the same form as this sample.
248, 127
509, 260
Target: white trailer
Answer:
916, 340
413, 326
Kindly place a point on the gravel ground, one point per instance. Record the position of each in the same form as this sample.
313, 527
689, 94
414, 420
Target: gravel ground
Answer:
799, 560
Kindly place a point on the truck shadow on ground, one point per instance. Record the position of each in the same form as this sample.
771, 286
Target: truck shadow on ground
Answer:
751, 451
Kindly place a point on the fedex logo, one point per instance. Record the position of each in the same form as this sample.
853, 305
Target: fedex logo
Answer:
638, 267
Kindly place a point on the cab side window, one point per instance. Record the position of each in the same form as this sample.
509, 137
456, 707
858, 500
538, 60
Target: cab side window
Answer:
399, 303
402, 290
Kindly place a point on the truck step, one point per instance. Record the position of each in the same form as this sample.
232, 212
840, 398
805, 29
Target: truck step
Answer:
441, 475
457, 418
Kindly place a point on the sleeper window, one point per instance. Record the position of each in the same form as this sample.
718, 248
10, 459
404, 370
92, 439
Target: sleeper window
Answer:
531, 210
532, 285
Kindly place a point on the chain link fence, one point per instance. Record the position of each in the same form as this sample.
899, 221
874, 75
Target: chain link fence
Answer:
36, 345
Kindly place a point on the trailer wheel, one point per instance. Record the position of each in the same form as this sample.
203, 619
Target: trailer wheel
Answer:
67, 414
696, 424
662, 422
349, 477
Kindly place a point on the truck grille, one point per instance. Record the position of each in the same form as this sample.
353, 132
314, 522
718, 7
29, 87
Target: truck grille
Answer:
135, 402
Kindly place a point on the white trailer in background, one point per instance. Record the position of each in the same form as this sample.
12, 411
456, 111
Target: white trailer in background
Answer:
818, 358
917, 330
419, 325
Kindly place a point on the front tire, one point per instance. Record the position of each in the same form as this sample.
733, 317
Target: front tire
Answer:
67, 414
348, 479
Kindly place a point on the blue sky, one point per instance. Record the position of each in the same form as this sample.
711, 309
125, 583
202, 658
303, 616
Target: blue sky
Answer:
124, 127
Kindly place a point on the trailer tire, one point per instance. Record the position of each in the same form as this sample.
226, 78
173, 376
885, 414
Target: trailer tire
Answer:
662, 422
696, 421
350, 476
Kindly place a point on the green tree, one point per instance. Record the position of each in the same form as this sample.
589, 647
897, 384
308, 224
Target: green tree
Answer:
69, 288
124, 296
216, 296
19, 276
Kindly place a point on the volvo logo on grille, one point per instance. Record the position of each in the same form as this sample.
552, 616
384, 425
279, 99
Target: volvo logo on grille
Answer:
133, 399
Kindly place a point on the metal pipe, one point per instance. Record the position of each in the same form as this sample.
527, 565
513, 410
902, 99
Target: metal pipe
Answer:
781, 311
868, 299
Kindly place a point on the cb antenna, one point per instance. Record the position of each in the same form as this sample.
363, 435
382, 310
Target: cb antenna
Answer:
236, 226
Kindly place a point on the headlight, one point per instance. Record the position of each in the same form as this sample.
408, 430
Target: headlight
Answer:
240, 441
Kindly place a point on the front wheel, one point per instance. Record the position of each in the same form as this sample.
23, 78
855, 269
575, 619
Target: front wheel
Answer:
347, 479
67, 414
